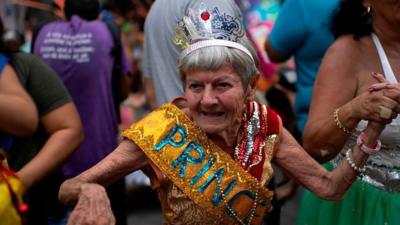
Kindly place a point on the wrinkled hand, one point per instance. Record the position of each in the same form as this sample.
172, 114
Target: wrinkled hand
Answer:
92, 208
367, 105
389, 90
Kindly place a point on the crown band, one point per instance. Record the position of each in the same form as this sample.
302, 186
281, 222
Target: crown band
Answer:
216, 42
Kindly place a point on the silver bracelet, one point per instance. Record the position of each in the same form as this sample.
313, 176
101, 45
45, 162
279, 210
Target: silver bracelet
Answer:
353, 164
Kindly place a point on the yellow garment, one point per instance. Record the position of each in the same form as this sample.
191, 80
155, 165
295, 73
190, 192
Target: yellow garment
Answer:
8, 212
187, 204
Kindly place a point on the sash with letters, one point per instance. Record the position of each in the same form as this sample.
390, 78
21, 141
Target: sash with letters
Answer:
197, 166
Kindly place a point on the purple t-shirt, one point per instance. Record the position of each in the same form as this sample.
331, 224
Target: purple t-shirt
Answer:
80, 52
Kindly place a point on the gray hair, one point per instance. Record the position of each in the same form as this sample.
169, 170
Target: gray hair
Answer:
212, 58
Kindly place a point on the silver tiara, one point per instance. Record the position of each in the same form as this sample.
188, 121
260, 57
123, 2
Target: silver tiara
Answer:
204, 28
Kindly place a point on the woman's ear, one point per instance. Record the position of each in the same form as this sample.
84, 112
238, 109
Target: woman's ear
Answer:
180, 102
251, 88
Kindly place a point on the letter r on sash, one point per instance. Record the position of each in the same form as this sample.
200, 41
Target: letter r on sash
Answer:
185, 157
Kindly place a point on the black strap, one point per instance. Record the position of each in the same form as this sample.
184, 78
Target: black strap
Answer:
35, 33
117, 67
116, 51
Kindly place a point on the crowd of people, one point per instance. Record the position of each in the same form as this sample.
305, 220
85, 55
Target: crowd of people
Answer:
208, 142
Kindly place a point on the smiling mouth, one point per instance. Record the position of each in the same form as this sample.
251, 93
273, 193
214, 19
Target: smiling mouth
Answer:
213, 114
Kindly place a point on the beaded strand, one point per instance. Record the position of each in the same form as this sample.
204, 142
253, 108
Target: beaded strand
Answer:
352, 164
233, 213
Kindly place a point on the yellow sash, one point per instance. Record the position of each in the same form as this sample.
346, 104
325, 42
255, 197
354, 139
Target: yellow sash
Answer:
204, 172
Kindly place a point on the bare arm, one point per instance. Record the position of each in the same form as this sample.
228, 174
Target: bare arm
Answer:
86, 192
65, 135
273, 55
126, 158
341, 84
18, 114
328, 185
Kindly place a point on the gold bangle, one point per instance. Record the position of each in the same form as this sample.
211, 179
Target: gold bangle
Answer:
338, 123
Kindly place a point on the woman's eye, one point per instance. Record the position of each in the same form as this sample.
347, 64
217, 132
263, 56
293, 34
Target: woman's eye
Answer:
223, 85
194, 86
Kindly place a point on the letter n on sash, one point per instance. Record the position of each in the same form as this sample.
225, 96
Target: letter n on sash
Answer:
217, 197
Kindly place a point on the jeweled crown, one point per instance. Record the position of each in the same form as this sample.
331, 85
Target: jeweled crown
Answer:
205, 24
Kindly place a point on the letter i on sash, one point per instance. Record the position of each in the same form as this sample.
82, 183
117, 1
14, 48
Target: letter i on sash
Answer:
217, 197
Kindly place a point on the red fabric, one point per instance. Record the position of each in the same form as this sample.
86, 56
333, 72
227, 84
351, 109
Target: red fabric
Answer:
273, 123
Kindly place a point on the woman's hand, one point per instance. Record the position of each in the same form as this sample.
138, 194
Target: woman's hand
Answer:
372, 132
92, 208
367, 106
389, 90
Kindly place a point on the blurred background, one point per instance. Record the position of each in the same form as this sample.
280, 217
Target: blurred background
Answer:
276, 85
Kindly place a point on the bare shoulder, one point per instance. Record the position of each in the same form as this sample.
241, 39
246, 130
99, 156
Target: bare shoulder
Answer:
8, 71
343, 59
345, 48
181, 103
345, 41
353, 58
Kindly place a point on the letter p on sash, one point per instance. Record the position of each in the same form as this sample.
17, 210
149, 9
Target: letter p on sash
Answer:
171, 138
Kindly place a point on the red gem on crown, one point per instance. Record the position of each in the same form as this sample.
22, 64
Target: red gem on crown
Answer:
205, 16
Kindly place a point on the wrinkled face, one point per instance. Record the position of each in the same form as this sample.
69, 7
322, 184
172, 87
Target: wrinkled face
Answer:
216, 99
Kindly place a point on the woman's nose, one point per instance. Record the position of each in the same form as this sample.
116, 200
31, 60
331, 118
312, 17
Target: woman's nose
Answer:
209, 97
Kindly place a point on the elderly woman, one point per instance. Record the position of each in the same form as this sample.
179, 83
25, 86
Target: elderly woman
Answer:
210, 160
343, 102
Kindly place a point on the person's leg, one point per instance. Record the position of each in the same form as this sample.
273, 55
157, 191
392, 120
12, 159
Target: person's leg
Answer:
117, 195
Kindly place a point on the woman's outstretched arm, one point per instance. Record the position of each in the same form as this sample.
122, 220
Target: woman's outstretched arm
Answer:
328, 185
86, 191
